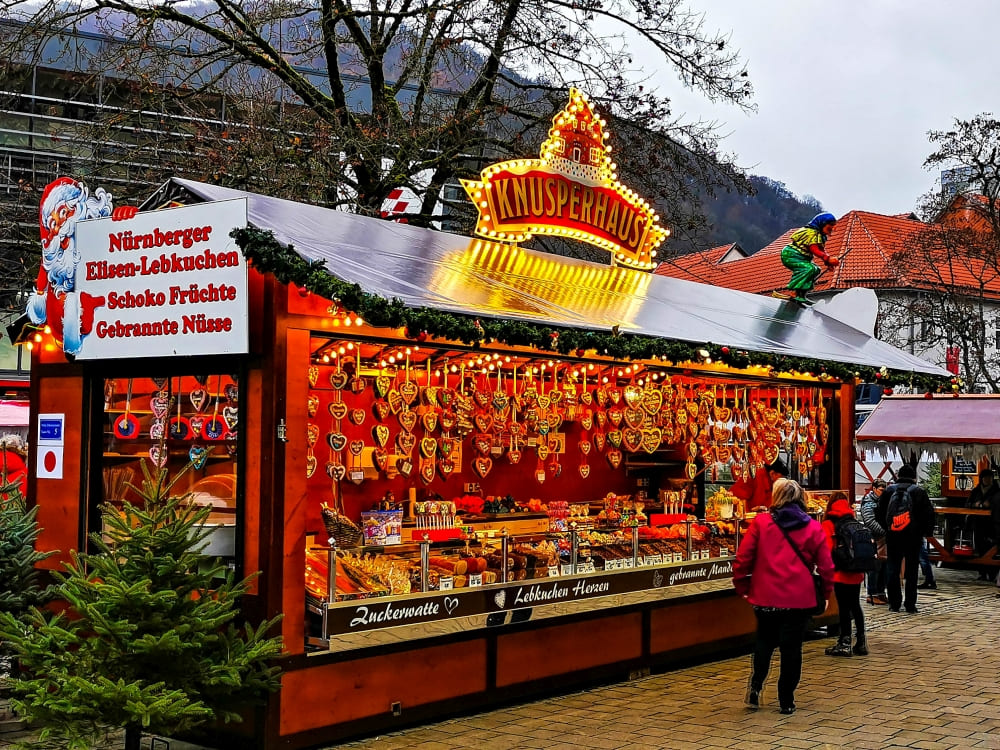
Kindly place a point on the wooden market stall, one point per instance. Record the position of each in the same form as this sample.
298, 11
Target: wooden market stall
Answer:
468, 472
960, 431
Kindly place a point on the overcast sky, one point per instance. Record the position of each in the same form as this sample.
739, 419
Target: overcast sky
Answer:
847, 91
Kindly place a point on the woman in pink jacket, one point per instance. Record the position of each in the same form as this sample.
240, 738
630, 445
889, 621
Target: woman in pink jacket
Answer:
771, 576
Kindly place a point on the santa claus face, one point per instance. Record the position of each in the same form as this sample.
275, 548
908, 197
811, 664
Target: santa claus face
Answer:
58, 218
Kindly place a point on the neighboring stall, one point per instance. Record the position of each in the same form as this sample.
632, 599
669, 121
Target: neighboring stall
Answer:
960, 431
468, 472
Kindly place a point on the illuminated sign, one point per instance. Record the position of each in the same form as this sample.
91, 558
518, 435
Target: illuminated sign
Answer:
572, 191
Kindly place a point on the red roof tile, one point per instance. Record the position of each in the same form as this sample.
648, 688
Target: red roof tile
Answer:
863, 241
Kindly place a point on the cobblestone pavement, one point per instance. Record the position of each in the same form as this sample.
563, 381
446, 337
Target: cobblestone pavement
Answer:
932, 681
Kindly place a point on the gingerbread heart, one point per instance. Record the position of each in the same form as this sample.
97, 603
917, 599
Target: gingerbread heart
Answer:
614, 457
483, 422
158, 454
198, 455
428, 446
614, 396
554, 468
446, 446
514, 455
542, 449
312, 405
448, 420
482, 443
358, 385
382, 385
587, 421
199, 399
602, 419
427, 470
543, 427
336, 440
312, 434
600, 440
633, 395
380, 457
409, 391
160, 404
586, 397
615, 438
381, 434
544, 401
196, 422
381, 410
429, 420
356, 447
584, 470
585, 446
445, 467
632, 439
337, 409
407, 420
430, 395
395, 401
232, 416
500, 400
357, 416
336, 471
482, 465
652, 400
405, 442
634, 417
311, 464
313, 376
481, 397
651, 439
616, 416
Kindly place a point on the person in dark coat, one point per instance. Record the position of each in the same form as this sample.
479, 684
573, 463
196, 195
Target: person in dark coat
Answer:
904, 537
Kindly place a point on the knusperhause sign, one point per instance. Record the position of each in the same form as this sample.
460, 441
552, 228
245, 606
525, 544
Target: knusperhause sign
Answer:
164, 283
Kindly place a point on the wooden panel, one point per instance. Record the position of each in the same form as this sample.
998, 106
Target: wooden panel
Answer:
252, 476
295, 513
335, 693
700, 622
533, 654
59, 499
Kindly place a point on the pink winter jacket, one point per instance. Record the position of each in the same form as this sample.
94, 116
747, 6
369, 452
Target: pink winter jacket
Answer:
769, 573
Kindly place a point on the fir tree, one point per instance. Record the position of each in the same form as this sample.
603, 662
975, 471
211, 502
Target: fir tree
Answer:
20, 580
150, 641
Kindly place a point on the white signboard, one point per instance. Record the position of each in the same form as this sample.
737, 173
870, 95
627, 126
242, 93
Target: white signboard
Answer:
164, 283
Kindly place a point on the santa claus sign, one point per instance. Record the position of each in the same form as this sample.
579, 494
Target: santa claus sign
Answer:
114, 283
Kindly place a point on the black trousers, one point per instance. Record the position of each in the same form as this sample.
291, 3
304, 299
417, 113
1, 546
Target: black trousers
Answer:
899, 552
849, 603
784, 630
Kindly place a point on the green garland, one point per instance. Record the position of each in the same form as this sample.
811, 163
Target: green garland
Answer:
269, 256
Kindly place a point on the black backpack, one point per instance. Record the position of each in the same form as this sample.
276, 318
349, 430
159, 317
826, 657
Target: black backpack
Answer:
855, 550
899, 512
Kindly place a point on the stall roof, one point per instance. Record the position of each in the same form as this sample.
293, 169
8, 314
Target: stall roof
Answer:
427, 268
915, 424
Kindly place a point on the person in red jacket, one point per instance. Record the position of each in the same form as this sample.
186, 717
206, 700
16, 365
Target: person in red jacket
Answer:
769, 574
755, 491
846, 584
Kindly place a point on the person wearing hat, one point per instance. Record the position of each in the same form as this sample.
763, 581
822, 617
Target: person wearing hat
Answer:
905, 512
755, 492
803, 245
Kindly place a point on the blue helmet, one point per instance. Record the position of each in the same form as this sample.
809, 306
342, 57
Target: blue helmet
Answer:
821, 220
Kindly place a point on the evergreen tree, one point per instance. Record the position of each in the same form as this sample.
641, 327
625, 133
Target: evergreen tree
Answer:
20, 580
150, 640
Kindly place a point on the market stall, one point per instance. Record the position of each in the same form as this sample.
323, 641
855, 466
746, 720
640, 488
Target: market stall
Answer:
468, 472
960, 432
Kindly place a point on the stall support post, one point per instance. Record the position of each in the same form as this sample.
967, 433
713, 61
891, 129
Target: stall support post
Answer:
635, 546
690, 541
425, 562
504, 546
574, 548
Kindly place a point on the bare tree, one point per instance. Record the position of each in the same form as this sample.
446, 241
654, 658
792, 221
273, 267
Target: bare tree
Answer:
342, 103
952, 266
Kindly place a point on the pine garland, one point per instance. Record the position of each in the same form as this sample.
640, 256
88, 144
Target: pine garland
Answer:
269, 256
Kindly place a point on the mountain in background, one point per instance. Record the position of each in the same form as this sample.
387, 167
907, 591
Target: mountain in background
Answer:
752, 221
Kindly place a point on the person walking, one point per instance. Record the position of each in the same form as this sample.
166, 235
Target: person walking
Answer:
773, 571
846, 583
875, 579
905, 512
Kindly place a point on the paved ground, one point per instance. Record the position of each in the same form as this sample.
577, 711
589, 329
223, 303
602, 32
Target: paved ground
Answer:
932, 681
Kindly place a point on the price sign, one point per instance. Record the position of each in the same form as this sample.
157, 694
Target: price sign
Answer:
628, 563
447, 583
587, 567
678, 557
553, 571
476, 580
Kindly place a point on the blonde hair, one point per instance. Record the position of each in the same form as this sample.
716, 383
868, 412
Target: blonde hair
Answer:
784, 492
